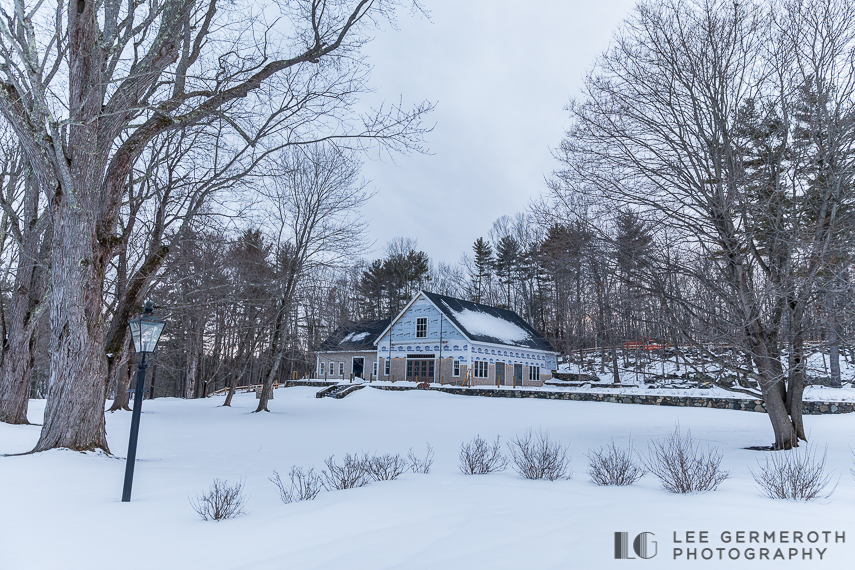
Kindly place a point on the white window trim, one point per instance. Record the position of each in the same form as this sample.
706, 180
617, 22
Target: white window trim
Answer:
455, 368
341, 369
481, 364
374, 369
387, 366
531, 375
425, 319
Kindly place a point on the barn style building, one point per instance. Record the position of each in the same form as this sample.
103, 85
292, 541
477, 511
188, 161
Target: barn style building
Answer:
445, 340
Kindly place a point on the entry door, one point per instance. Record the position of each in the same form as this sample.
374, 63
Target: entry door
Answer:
518, 375
420, 370
500, 374
358, 367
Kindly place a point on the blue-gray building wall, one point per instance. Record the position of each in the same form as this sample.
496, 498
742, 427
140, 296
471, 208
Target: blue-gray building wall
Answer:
454, 344
403, 334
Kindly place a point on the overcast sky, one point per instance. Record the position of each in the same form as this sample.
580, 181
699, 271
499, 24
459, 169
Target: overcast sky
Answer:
501, 72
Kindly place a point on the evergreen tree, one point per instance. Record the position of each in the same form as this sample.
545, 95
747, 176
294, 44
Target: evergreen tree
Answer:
507, 263
483, 264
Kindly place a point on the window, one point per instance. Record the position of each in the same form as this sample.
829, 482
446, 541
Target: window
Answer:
421, 327
375, 370
456, 368
320, 369
534, 373
481, 369
341, 368
386, 366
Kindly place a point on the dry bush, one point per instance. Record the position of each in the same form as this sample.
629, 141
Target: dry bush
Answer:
795, 475
682, 466
222, 501
421, 465
349, 475
384, 467
613, 466
305, 485
536, 457
478, 457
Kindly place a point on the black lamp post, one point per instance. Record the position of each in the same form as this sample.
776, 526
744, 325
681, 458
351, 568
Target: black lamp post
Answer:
145, 332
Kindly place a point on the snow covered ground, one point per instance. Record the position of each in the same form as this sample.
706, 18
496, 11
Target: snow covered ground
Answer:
61, 509
812, 393
647, 376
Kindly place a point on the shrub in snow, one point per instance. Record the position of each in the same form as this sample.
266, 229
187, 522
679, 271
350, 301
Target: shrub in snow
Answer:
421, 465
305, 485
536, 457
613, 466
349, 475
478, 457
222, 501
384, 467
682, 466
795, 474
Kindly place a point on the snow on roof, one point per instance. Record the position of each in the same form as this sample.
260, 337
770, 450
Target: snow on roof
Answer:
484, 324
355, 337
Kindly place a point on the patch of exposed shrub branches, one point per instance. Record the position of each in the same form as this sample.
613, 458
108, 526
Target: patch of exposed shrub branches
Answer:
222, 501
535, 456
795, 475
351, 473
478, 457
305, 485
383, 467
418, 464
682, 466
613, 465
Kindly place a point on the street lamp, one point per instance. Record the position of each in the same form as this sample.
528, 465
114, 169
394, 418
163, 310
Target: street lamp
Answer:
145, 332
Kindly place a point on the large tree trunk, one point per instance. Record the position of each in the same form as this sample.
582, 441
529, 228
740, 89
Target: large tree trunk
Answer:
74, 413
17, 369
773, 386
18, 353
27, 308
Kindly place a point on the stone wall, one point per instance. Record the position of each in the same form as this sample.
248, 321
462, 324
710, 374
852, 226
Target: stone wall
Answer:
748, 405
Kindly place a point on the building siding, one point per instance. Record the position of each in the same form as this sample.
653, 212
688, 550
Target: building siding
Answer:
444, 340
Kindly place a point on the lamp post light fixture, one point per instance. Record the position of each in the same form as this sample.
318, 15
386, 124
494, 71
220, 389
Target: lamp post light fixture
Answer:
145, 332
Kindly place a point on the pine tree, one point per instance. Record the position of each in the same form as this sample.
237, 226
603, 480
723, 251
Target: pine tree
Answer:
483, 264
507, 263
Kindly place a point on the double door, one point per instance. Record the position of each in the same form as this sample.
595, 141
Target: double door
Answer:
420, 369
502, 370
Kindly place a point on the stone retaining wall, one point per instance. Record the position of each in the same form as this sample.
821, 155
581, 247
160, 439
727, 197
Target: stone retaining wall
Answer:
748, 405
310, 383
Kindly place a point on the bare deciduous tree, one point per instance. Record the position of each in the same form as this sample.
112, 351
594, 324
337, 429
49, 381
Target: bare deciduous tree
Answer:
87, 85
728, 128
